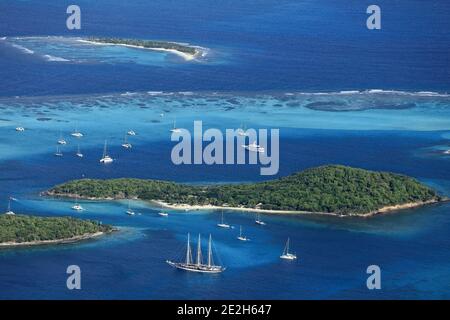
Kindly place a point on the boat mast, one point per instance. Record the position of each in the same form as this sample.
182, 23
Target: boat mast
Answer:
188, 251
287, 246
199, 251
209, 251
104, 150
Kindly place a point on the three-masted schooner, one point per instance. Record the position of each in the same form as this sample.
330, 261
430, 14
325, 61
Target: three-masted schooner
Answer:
198, 265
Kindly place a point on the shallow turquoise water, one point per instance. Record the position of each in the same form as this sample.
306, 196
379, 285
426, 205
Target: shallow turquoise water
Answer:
411, 247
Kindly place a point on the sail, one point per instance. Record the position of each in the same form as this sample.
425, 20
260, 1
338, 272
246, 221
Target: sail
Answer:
188, 251
209, 252
199, 251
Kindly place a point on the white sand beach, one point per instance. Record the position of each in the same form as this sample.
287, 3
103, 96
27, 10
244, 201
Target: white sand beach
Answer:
185, 56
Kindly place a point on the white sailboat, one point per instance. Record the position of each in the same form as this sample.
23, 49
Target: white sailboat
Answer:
79, 154
242, 131
163, 214
77, 206
126, 144
198, 265
259, 221
222, 224
9, 211
106, 158
129, 211
175, 129
254, 147
131, 133
286, 254
61, 140
241, 237
58, 152
76, 133
20, 129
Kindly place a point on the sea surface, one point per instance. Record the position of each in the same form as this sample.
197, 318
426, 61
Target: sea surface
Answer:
338, 93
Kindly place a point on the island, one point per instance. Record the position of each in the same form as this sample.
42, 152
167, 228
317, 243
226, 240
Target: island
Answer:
187, 52
25, 230
331, 189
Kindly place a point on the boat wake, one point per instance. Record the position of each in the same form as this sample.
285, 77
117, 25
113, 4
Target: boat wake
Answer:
22, 48
54, 58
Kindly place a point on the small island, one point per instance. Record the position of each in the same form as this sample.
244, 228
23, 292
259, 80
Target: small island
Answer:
25, 230
332, 189
187, 52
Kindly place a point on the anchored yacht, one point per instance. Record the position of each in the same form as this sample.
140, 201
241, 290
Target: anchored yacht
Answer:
241, 237
79, 154
175, 129
286, 254
126, 144
9, 212
198, 266
254, 147
129, 211
259, 221
76, 133
58, 152
106, 158
77, 206
222, 224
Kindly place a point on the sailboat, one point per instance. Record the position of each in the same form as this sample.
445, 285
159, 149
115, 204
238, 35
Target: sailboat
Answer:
254, 147
241, 237
175, 129
131, 133
9, 211
198, 265
242, 131
61, 140
79, 154
76, 133
106, 158
286, 254
77, 206
222, 224
126, 144
259, 221
129, 211
58, 152
163, 214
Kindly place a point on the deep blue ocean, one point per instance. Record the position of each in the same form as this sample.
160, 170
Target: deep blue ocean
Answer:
339, 93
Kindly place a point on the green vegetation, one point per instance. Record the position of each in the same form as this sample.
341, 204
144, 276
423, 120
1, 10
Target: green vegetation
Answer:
148, 44
332, 189
23, 228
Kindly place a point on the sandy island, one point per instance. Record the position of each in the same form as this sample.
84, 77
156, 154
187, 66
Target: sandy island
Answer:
82, 237
184, 55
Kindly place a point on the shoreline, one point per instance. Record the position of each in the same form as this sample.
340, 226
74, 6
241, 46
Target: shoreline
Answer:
86, 236
185, 56
383, 210
187, 207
